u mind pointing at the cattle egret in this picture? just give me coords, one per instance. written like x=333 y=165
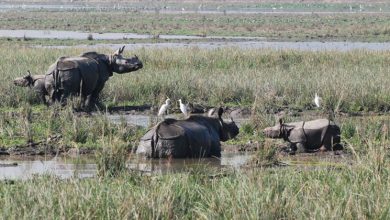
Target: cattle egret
x=211 y=112
x=183 y=108
x=317 y=100
x=164 y=107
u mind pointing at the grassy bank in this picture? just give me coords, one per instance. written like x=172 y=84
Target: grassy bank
x=264 y=79
x=280 y=27
x=357 y=189
x=64 y=129
x=360 y=190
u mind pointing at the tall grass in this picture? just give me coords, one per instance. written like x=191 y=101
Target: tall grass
x=352 y=81
x=279 y=26
x=356 y=190
x=69 y=129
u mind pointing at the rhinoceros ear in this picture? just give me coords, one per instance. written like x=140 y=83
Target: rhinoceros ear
x=280 y=121
x=119 y=51
x=29 y=73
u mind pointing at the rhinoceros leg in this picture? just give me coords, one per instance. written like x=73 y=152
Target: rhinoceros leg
x=94 y=98
x=296 y=148
x=332 y=138
x=215 y=150
x=42 y=97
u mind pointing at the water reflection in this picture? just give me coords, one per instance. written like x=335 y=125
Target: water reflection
x=148 y=120
x=59 y=166
x=84 y=167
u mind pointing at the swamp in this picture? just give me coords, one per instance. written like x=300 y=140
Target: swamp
x=59 y=161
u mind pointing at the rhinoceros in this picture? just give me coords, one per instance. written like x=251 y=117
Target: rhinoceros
x=35 y=82
x=197 y=136
x=86 y=75
x=307 y=136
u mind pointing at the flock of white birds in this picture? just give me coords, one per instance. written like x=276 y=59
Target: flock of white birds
x=164 y=108
x=184 y=107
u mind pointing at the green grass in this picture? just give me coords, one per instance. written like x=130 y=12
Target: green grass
x=266 y=80
x=280 y=27
x=75 y=131
x=359 y=190
x=354 y=189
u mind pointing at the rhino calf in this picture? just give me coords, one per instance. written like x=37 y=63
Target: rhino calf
x=196 y=136
x=35 y=82
x=307 y=136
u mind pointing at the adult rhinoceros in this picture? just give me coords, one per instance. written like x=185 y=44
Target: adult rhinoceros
x=35 y=82
x=307 y=135
x=86 y=74
x=196 y=136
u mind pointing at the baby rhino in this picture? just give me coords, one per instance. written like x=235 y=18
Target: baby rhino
x=307 y=136
x=35 y=82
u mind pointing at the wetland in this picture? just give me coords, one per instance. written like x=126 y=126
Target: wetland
x=61 y=162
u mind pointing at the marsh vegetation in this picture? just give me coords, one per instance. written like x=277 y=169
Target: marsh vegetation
x=267 y=82
x=350 y=26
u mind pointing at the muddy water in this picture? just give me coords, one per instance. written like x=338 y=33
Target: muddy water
x=85 y=167
x=219 y=41
x=164 y=9
x=304 y=46
x=149 y=120
x=76 y=35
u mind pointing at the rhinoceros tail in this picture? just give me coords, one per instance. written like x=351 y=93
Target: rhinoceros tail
x=81 y=83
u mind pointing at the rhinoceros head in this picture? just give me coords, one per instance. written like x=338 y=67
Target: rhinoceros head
x=280 y=130
x=229 y=130
x=119 y=64
x=24 y=81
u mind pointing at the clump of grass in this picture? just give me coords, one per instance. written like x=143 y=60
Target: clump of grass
x=111 y=160
x=267 y=155
x=26 y=123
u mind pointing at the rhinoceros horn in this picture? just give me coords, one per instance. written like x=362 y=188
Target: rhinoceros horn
x=119 y=51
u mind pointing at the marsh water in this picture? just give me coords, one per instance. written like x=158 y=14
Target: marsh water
x=147 y=120
x=85 y=167
x=212 y=42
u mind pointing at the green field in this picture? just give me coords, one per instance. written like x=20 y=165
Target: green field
x=274 y=27
x=354 y=81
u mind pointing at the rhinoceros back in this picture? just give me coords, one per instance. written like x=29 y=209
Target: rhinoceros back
x=75 y=73
x=146 y=142
x=314 y=133
x=177 y=138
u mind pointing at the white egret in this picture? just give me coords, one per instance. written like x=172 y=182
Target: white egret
x=183 y=108
x=317 y=100
x=211 y=112
x=164 y=107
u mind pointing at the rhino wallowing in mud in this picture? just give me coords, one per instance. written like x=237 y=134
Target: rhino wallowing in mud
x=307 y=136
x=35 y=82
x=197 y=136
x=86 y=75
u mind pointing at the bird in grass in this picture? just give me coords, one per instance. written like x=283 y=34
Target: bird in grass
x=183 y=108
x=317 y=100
x=163 y=109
